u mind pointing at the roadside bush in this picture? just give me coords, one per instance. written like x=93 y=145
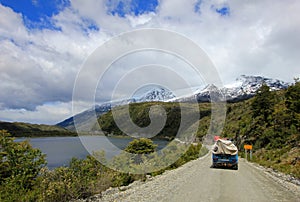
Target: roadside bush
x=192 y=153
x=171 y=157
x=20 y=165
x=81 y=179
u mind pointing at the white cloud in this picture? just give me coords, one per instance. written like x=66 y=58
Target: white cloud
x=141 y=19
x=48 y=113
x=40 y=66
x=11 y=25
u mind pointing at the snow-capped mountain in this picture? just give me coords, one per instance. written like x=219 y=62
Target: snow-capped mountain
x=246 y=86
x=84 y=120
x=243 y=88
x=210 y=92
x=156 y=94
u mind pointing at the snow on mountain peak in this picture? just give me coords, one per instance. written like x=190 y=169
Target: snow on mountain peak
x=156 y=94
x=210 y=88
x=248 y=85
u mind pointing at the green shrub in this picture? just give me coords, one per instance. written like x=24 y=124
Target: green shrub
x=81 y=179
x=20 y=165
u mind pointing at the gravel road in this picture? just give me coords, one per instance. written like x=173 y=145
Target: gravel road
x=196 y=181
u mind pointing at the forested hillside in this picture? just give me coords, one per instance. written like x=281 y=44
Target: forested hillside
x=139 y=113
x=271 y=123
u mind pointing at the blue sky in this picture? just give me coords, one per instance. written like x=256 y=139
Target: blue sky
x=37 y=14
x=44 y=43
x=136 y=7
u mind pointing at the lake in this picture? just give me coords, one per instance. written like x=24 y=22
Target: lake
x=60 y=150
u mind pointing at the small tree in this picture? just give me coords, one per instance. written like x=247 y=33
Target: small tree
x=140 y=146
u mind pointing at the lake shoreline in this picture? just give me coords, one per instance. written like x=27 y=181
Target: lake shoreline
x=60 y=150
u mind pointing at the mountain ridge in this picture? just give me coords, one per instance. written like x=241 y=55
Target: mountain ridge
x=243 y=88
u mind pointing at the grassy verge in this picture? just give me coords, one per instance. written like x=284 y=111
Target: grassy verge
x=285 y=160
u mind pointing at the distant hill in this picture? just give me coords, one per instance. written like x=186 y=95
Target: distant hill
x=18 y=129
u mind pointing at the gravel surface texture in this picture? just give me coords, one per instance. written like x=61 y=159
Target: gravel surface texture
x=197 y=181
